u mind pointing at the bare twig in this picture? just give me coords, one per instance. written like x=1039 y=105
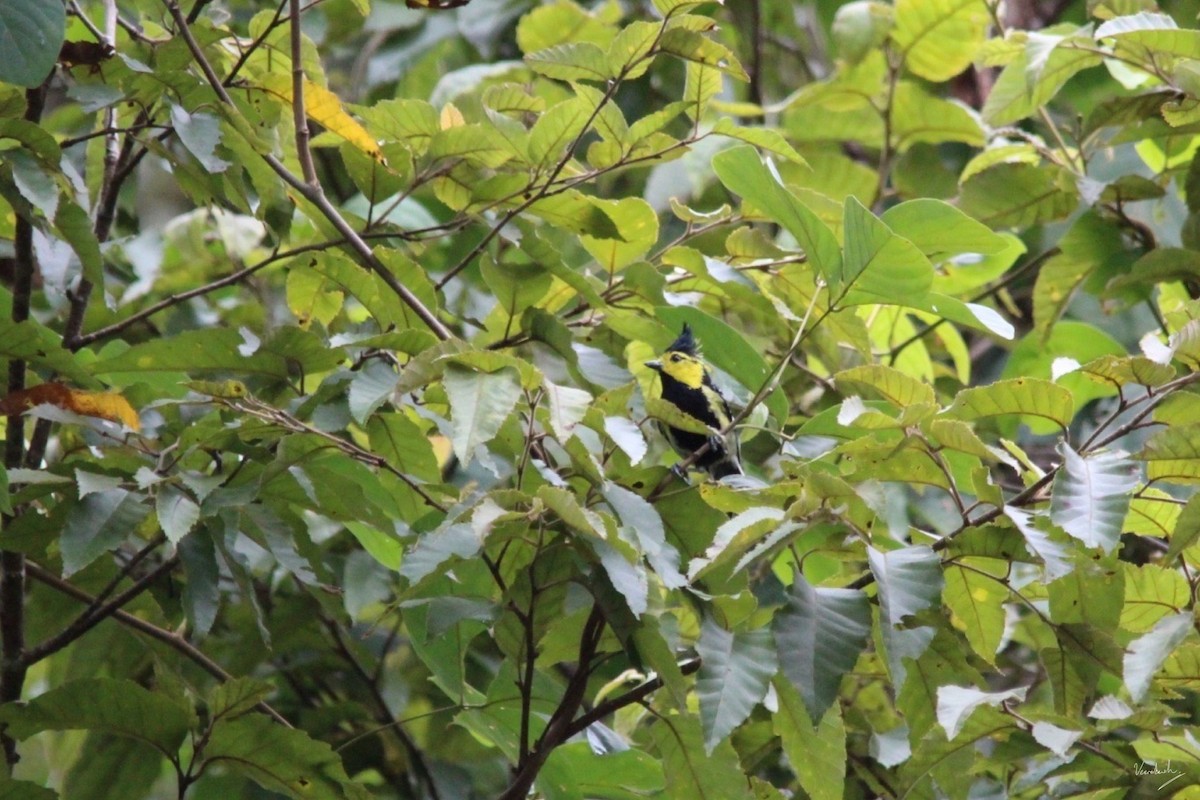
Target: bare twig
x=299 y=117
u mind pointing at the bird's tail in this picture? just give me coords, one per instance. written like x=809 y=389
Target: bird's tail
x=725 y=467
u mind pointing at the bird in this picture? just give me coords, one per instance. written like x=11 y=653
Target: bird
x=687 y=385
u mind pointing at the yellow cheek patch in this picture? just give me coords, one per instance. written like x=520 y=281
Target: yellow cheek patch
x=687 y=371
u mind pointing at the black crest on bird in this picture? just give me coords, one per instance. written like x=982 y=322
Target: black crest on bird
x=686 y=343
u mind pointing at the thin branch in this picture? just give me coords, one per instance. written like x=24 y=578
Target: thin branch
x=175 y=299
x=299 y=117
x=96 y=612
x=635 y=695
x=172 y=640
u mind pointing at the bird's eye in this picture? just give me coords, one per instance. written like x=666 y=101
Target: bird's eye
x=674 y=358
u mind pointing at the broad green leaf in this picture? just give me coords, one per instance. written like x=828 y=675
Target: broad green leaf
x=939 y=38
x=939 y=230
x=820 y=633
x=198 y=351
x=767 y=139
x=735 y=671
x=404 y=444
x=817 y=753
x=555 y=23
x=890 y=384
x=691 y=772
x=516 y=286
x=556 y=129
x=919 y=117
x=576 y=772
x=860 y=27
x=24 y=790
x=629 y=49
x=1089 y=244
x=107 y=705
x=434 y=549
x=312 y=296
x=1090 y=594
x=1036 y=76
x=576 y=212
x=1117 y=371
x=1147 y=653
x=1019 y=195
x=1173 y=454
x=976 y=602
x=98 y=523
x=879 y=266
x=284 y=760
x=575 y=61
x=235 y=697
x=972 y=315
x=480 y=402
x=1151 y=592
x=1186 y=530
x=177 y=512
x=1137 y=34
x=637 y=229
x=1029 y=396
x=642 y=527
x=910 y=581
x=742 y=171
x=200 y=134
x=475 y=144
x=1091 y=495
x=627 y=436
x=408 y=120
x=75 y=227
x=31 y=33
x=371 y=387
x=734 y=538
x=383 y=547
x=955 y=704
x=698 y=48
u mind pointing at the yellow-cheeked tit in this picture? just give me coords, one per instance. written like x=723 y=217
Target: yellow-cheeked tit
x=687 y=384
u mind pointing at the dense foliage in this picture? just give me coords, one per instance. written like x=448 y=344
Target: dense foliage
x=331 y=467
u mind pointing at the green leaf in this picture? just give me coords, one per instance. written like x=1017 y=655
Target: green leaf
x=576 y=772
x=235 y=697
x=200 y=134
x=939 y=38
x=31 y=33
x=177 y=512
x=692 y=772
x=576 y=61
x=735 y=672
x=940 y=231
x=371 y=387
x=480 y=402
x=98 y=523
x=24 y=790
x=1029 y=396
x=767 y=139
x=637 y=232
x=879 y=266
x=976 y=603
x=1091 y=496
x=820 y=633
x=1146 y=654
x=1036 y=530
x=280 y=759
x=699 y=49
x=1036 y=76
x=1135 y=34
x=475 y=144
x=891 y=384
x=919 y=117
x=75 y=227
x=910 y=581
x=107 y=705
x=1173 y=454
x=642 y=527
x=1151 y=592
x=734 y=538
x=1019 y=195
x=817 y=756
x=197 y=351
x=742 y=171
x=567 y=408
x=404 y=444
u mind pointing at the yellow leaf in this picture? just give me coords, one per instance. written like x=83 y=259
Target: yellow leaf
x=106 y=405
x=451 y=117
x=325 y=107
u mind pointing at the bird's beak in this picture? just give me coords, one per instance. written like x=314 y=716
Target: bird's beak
x=654 y=365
